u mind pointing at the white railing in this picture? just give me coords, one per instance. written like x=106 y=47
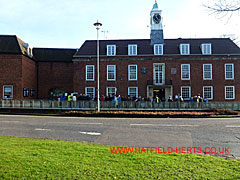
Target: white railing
x=108 y=105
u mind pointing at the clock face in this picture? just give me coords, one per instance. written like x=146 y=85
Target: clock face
x=157 y=18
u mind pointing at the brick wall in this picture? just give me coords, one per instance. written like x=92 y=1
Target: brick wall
x=11 y=74
x=54 y=75
x=29 y=76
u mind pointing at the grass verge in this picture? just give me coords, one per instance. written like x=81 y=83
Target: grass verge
x=26 y=158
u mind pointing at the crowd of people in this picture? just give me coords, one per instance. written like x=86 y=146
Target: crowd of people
x=117 y=99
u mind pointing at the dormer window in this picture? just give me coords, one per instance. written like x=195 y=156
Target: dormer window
x=206 y=48
x=132 y=49
x=111 y=50
x=30 y=51
x=158 y=49
x=184 y=49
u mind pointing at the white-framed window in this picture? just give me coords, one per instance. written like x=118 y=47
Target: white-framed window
x=159 y=73
x=111 y=91
x=89 y=72
x=132 y=72
x=184 y=49
x=158 y=49
x=133 y=91
x=185 y=71
x=25 y=92
x=229 y=92
x=207 y=71
x=111 y=50
x=132 y=49
x=206 y=48
x=90 y=91
x=186 y=92
x=208 y=92
x=7 y=92
x=229 y=71
x=111 y=72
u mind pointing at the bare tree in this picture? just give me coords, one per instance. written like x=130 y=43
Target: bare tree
x=221 y=6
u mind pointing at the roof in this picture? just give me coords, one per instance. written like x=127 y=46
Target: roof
x=53 y=54
x=11 y=44
x=155 y=6
x=171 y=46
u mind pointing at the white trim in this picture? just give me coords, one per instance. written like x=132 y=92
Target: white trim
x=114 y=73
x=204 y=72
x=111 y=87
x=189 y=71
x=206 y=48
x=233 y=93
x=232 y=78
x=11 y=92
x=160 y=47
x=87 y=73
x=184 y=49
x=130 y=72
x=114 y=50
x=211 y=92
x=130 y=50
x=136 y=91
x=188 y=91
x=93 y=91
x=163 y=73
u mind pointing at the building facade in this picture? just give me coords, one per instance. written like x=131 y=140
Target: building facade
x=134 y=67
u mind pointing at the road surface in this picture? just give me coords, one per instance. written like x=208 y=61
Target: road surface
x=135 y=132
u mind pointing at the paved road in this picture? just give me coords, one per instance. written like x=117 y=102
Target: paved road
x=167 y=132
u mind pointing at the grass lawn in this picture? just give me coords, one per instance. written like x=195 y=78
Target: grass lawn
x=26 y=158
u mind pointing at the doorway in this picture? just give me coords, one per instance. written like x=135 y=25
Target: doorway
x=160 y=93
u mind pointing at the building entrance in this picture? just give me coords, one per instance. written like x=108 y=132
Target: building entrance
x=160 y=93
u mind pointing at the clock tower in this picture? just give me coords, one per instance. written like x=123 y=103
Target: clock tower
x=156 y=25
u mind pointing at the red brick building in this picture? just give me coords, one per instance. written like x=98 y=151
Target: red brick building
x=18 y=69
x=135 y=67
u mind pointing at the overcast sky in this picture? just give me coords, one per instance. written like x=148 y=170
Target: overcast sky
x=68 y=23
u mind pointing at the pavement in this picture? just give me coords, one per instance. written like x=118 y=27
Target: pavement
x=138 y=132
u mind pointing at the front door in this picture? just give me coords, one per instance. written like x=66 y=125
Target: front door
x=160 y=93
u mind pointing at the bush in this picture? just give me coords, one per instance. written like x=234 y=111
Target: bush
x=222 y=111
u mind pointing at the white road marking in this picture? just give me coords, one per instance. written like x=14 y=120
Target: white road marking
x=75 y=123
x=9 y=121
x=232 y=126
x=39 y=129
x=164 y=125
x=90 y=133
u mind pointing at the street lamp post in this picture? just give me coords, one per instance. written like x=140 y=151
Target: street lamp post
x=98 y=25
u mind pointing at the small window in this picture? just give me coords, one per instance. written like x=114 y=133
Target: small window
x=8 y=92
x=133 y=92
x=186 y=92
x=206 y=48
x=132 y=72
x=208 y=92
x=111 y=50
x=90 y=91
x=185 y=71
x=229 y=92
x=89 y=72
x=229 y=71
x=158 y=49
x=207 y=72
x=111 y=91
x=132 y=50
x=25 y=92
x=111 y=72
x=32 y=92
x=184 y=49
